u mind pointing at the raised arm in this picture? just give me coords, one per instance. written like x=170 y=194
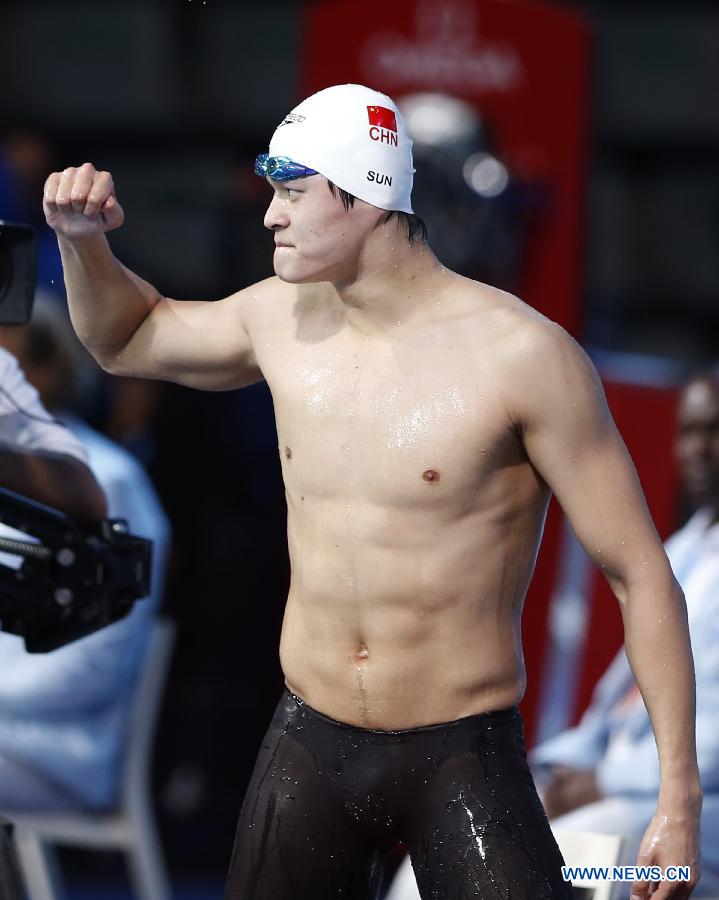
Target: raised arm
x=558 y=404
x=123 y=321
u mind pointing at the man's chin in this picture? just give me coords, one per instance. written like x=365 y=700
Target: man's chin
x=286 y=273
x=292 y=279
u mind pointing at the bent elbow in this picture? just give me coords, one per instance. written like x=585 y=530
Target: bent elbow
x=110 y=361
x=645 y=579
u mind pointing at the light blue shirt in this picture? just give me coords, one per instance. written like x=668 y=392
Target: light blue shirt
x=65 y=714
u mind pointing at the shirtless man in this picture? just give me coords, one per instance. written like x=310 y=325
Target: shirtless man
x=423 y=421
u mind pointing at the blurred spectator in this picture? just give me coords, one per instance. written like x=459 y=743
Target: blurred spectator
x=41 y=460
x=63 y=715
x=603 y=775
x=38 y=458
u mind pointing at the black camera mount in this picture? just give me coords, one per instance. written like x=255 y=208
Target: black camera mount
x=73 y=581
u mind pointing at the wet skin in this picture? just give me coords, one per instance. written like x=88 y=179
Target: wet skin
x=414 y=514
x=423 y=420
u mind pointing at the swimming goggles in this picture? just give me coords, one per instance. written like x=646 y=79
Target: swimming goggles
x=281 y=168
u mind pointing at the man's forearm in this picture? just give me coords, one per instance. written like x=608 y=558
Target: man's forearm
x=659 y=652
x=53 y=479
x=107 y=302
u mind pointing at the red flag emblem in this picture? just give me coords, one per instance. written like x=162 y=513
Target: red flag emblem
x=382 y=118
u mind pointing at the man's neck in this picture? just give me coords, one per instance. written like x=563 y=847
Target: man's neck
x=394 y=283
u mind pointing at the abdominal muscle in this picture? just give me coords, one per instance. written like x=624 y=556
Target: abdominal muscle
x=394 y=635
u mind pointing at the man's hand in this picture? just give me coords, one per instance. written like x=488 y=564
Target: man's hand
x=670 y=840
x=81 y=202
x=568 y=789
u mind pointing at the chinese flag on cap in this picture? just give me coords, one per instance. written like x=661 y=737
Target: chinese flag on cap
x=382 y=117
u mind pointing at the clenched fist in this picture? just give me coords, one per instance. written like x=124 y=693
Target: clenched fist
x=81 y=202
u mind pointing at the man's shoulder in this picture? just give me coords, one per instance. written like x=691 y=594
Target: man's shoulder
x=276 y=307
x=264 y=301
x=518 y=331
x=260 y=291
x=535 y=364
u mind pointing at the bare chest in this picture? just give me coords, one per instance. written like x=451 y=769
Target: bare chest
x=398 y=423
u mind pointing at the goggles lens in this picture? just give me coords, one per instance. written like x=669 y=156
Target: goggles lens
x=281 y=168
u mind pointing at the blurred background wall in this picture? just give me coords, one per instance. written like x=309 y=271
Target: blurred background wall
x=175 y=99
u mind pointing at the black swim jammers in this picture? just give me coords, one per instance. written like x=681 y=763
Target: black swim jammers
x=328 y=801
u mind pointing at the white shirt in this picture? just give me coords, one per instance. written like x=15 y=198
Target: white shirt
x=24 y=421
x=26 y=424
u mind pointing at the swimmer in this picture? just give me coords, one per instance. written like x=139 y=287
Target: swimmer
x=424 y=420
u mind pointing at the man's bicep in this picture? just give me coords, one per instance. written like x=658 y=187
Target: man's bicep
x=201 y=344
x=573 y=443
x=597 y=486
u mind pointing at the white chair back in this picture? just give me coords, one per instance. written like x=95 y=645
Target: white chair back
x=131 y=828
x=146 y=706
x=584 y=848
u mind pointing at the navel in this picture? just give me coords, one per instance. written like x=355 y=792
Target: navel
x=363 y=652
x=288 y=452
x=430 y=475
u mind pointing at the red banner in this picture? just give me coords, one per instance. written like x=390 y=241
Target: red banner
x=523 y=65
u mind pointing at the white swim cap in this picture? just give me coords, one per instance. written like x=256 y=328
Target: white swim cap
x=356 y=138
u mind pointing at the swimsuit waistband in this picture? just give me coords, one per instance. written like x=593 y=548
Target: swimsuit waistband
x=495 y=716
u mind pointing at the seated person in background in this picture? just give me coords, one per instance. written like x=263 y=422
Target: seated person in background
x=64 y=714
x=603 y=775
x=38 y=457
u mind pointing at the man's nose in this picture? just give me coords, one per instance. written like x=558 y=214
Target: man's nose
x=276 y=216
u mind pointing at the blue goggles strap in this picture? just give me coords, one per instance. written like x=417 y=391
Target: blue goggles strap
x=281 y=168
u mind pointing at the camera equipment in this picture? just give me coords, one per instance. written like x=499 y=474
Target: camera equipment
x=76 y=580
x=18 y=264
